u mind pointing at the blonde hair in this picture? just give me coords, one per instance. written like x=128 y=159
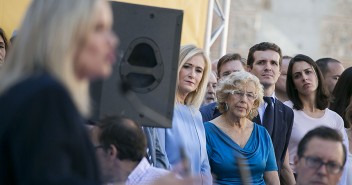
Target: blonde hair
x=236 y=81
x=195 y=98
x=48 y=40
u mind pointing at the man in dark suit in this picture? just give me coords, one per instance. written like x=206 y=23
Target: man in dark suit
x=264 y=61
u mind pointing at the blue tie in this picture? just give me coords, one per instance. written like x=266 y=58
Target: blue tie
x=268 y=117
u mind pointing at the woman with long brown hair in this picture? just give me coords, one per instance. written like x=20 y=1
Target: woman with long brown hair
x=309 y=99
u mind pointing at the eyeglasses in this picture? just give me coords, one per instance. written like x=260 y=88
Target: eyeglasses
x=316 y=163
x=240 y=94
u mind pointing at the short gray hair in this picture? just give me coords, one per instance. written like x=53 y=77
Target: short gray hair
x=231 y=82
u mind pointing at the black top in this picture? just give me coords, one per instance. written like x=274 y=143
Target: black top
x=209 y=112
x=43 y=140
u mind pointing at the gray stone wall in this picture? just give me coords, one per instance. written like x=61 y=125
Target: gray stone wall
x=317 y=28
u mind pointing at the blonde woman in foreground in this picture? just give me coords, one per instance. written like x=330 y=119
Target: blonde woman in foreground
x=44 y=98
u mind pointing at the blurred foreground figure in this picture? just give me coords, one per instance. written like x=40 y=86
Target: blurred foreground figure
x=320 y=157
x=60 y=46
x=120 y=146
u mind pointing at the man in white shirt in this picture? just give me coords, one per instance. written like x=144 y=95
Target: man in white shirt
x=120 y=146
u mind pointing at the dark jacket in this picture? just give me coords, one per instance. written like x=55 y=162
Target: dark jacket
x=282 y=129
x=43 y=139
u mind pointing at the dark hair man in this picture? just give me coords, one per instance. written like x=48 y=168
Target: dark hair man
x=121 y=149
x=320 y=158
x=332 y=70
x=264 y=61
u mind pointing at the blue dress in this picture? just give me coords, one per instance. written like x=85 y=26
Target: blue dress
x=187 y=132
x=222 y=151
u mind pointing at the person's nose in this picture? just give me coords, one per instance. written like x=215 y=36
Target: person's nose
x=212 y=89
x=244 y=97
x=268 y=66
x=113 y=39
x=322 y=170
x=192 y=73
x=304 y=77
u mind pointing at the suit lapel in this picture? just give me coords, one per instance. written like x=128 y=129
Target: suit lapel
x=278 y=123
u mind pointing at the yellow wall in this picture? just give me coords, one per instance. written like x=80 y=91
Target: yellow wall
x=194 y=18
x=11 y=13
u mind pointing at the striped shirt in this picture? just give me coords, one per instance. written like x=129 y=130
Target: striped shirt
x=145 y=174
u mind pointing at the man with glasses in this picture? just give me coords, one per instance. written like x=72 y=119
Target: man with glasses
x=121 y=148
x=320 y=157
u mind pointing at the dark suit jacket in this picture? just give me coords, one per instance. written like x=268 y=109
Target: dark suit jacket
x=209 y=112
x=281 y=130
x=43 y=139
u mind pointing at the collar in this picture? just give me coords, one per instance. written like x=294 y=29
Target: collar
x=139 y=171
x=273 y=97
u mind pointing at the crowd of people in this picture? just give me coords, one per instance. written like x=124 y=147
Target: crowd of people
x=268 y=119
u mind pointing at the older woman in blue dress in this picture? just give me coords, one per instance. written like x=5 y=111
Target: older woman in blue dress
x=233 y=140
x=187 y=132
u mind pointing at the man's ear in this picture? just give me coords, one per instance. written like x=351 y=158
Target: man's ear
x=112 y=152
